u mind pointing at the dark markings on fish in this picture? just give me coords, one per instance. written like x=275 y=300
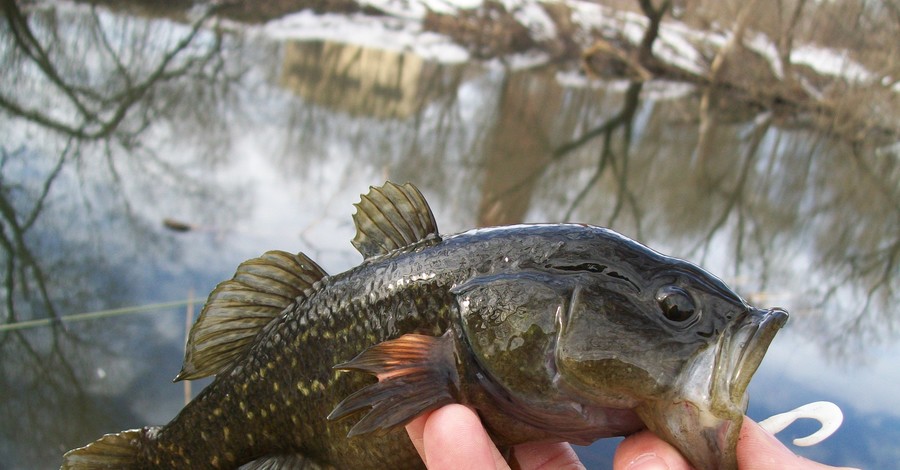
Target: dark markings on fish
x=551 y=332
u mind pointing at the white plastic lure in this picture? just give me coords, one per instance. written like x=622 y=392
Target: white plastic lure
x=825 y=412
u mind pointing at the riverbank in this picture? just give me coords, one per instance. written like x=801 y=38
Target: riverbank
x=793 y=62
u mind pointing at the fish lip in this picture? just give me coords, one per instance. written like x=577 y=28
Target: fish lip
x=741 y=351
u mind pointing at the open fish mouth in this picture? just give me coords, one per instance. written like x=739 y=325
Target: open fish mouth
x=738 y=355
x=741 y=352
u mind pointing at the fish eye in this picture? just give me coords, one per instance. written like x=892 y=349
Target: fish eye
x=676 y=304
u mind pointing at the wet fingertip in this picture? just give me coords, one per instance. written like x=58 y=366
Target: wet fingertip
x=646 y=451
x=546 y=456
x=648 y=461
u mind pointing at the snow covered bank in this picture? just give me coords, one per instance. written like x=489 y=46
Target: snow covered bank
x=828 y=83
x=678 y=45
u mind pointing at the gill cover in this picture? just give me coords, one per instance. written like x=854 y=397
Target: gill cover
x=511 y=322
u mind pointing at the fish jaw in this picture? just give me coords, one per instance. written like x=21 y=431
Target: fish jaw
x=703 y=414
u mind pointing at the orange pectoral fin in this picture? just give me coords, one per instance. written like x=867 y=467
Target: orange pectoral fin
x=416 y=373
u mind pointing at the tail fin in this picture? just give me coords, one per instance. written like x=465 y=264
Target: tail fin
x=110 y=451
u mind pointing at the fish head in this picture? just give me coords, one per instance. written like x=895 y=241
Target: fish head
x=668 y=339
x=703 y=411
x=598 y=335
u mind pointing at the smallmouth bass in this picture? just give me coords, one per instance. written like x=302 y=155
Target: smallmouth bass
x=563 y=332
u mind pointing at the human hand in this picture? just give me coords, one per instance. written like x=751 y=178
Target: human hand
x=452 y=437
x=757 y=450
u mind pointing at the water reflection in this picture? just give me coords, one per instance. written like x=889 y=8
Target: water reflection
x=367 y=98
x=87 y=99
x=360 y=80
x=524 y=130
x=87 y=121
x=126 y=122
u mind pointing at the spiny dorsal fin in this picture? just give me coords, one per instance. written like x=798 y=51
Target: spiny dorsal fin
x=239 y=308
x=416 y=373
x=391 y=217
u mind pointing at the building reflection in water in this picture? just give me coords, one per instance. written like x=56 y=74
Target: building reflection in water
x=358 y=80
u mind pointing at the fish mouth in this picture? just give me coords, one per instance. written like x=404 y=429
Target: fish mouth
x=741 y=352
x=703 y=415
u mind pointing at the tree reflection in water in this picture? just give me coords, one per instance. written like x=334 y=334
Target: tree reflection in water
x=117 y=121
x=78 y=114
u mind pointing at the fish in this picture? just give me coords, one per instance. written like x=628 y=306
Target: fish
x=551 y=332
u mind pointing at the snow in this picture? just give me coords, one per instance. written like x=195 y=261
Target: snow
x=830 y=62
x=678 y=44
x=575 y=79
x=655 y=90
x=394 y=34
x=531 y=15
x=522 y=61
x=824 y=61
x=761 y=44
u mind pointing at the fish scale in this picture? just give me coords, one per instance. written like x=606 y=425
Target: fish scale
x=307 y=383
x=551 y=332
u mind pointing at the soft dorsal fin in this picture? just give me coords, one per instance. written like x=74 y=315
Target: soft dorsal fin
x=391 y=217
x=239 y=308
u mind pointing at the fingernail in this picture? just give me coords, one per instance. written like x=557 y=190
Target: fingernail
x=649 y=461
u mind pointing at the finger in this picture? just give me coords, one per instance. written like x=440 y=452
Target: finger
x=453 y=438
x=555 y=456
x=645 y=451
x=416 y=431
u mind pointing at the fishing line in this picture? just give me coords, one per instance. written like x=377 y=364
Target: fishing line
x=22 y=325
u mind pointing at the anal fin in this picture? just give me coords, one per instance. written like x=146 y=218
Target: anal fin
x=416 y=373
x=110 y=451
x=281 y=462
